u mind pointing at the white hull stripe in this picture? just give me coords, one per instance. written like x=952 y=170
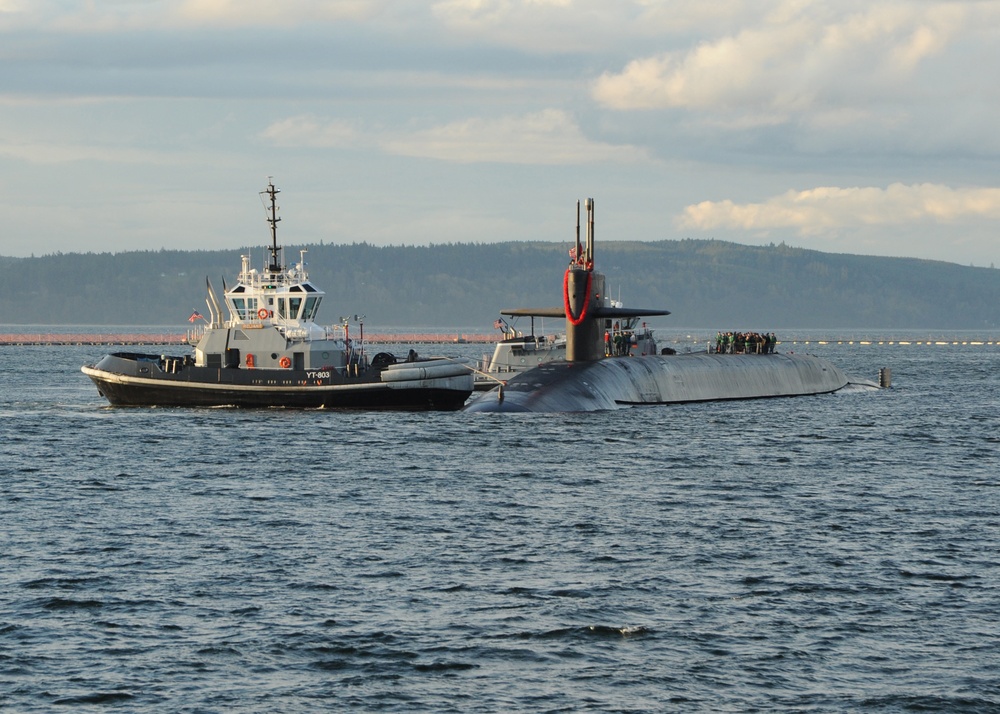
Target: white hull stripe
x=440 y=383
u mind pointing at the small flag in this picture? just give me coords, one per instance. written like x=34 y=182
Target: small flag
x=195 y=316
x=498 y=324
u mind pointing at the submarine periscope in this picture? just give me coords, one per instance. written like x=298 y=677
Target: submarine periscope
x=601 y=373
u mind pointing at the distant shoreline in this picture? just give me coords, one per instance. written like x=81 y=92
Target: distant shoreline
x=136 y=339
x=114 y=339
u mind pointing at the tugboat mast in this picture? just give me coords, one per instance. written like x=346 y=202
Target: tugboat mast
x=272 y=218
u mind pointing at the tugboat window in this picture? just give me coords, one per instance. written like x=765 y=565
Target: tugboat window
x=312 y=303
x=293 y=306
x=281 y=307
x=239 y=307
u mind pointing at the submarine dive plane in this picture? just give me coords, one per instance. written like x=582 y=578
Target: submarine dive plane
x=598 y=374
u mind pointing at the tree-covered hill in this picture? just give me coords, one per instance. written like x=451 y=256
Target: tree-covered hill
x=705 y=283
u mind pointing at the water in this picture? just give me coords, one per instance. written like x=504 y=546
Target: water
x=835 y=553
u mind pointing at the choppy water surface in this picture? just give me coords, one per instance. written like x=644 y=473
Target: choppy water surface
x=836 y=553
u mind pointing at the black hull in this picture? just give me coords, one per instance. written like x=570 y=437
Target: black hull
x=119 y=380
x=624 y=381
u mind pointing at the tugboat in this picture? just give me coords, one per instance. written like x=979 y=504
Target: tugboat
x=598 y=372
x=270 y=352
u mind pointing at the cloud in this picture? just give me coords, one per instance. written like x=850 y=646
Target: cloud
x=487 y=12
x=795 y=58
x=551 y=27
x=259 y=13
x=53 y=153
x=309 y=131
x=548 y=137
x=106 y=17
x=828 y=208
x=539 y=25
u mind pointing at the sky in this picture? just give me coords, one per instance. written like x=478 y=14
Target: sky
x=865 y=127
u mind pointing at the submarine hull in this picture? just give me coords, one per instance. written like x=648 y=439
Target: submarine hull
x=660 y=379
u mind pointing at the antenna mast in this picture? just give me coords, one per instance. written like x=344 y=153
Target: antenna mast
x=579 y=247
x=589 y=204
x=272 y=218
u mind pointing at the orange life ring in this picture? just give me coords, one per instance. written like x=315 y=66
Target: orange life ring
x=250 y=361
x=262 y=313
x=284 y=363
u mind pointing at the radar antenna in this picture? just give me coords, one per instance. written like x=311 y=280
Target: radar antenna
x=271 y=194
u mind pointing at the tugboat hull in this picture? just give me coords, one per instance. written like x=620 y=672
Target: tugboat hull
x=127 y=379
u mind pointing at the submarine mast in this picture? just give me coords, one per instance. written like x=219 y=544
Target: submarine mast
x=583 y=295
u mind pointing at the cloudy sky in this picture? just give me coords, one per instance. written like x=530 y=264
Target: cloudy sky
x=864 y=126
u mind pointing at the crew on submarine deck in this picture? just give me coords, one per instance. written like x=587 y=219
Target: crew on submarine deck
x=761 y=343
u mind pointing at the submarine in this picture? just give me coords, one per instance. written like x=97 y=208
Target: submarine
x=601 y=373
